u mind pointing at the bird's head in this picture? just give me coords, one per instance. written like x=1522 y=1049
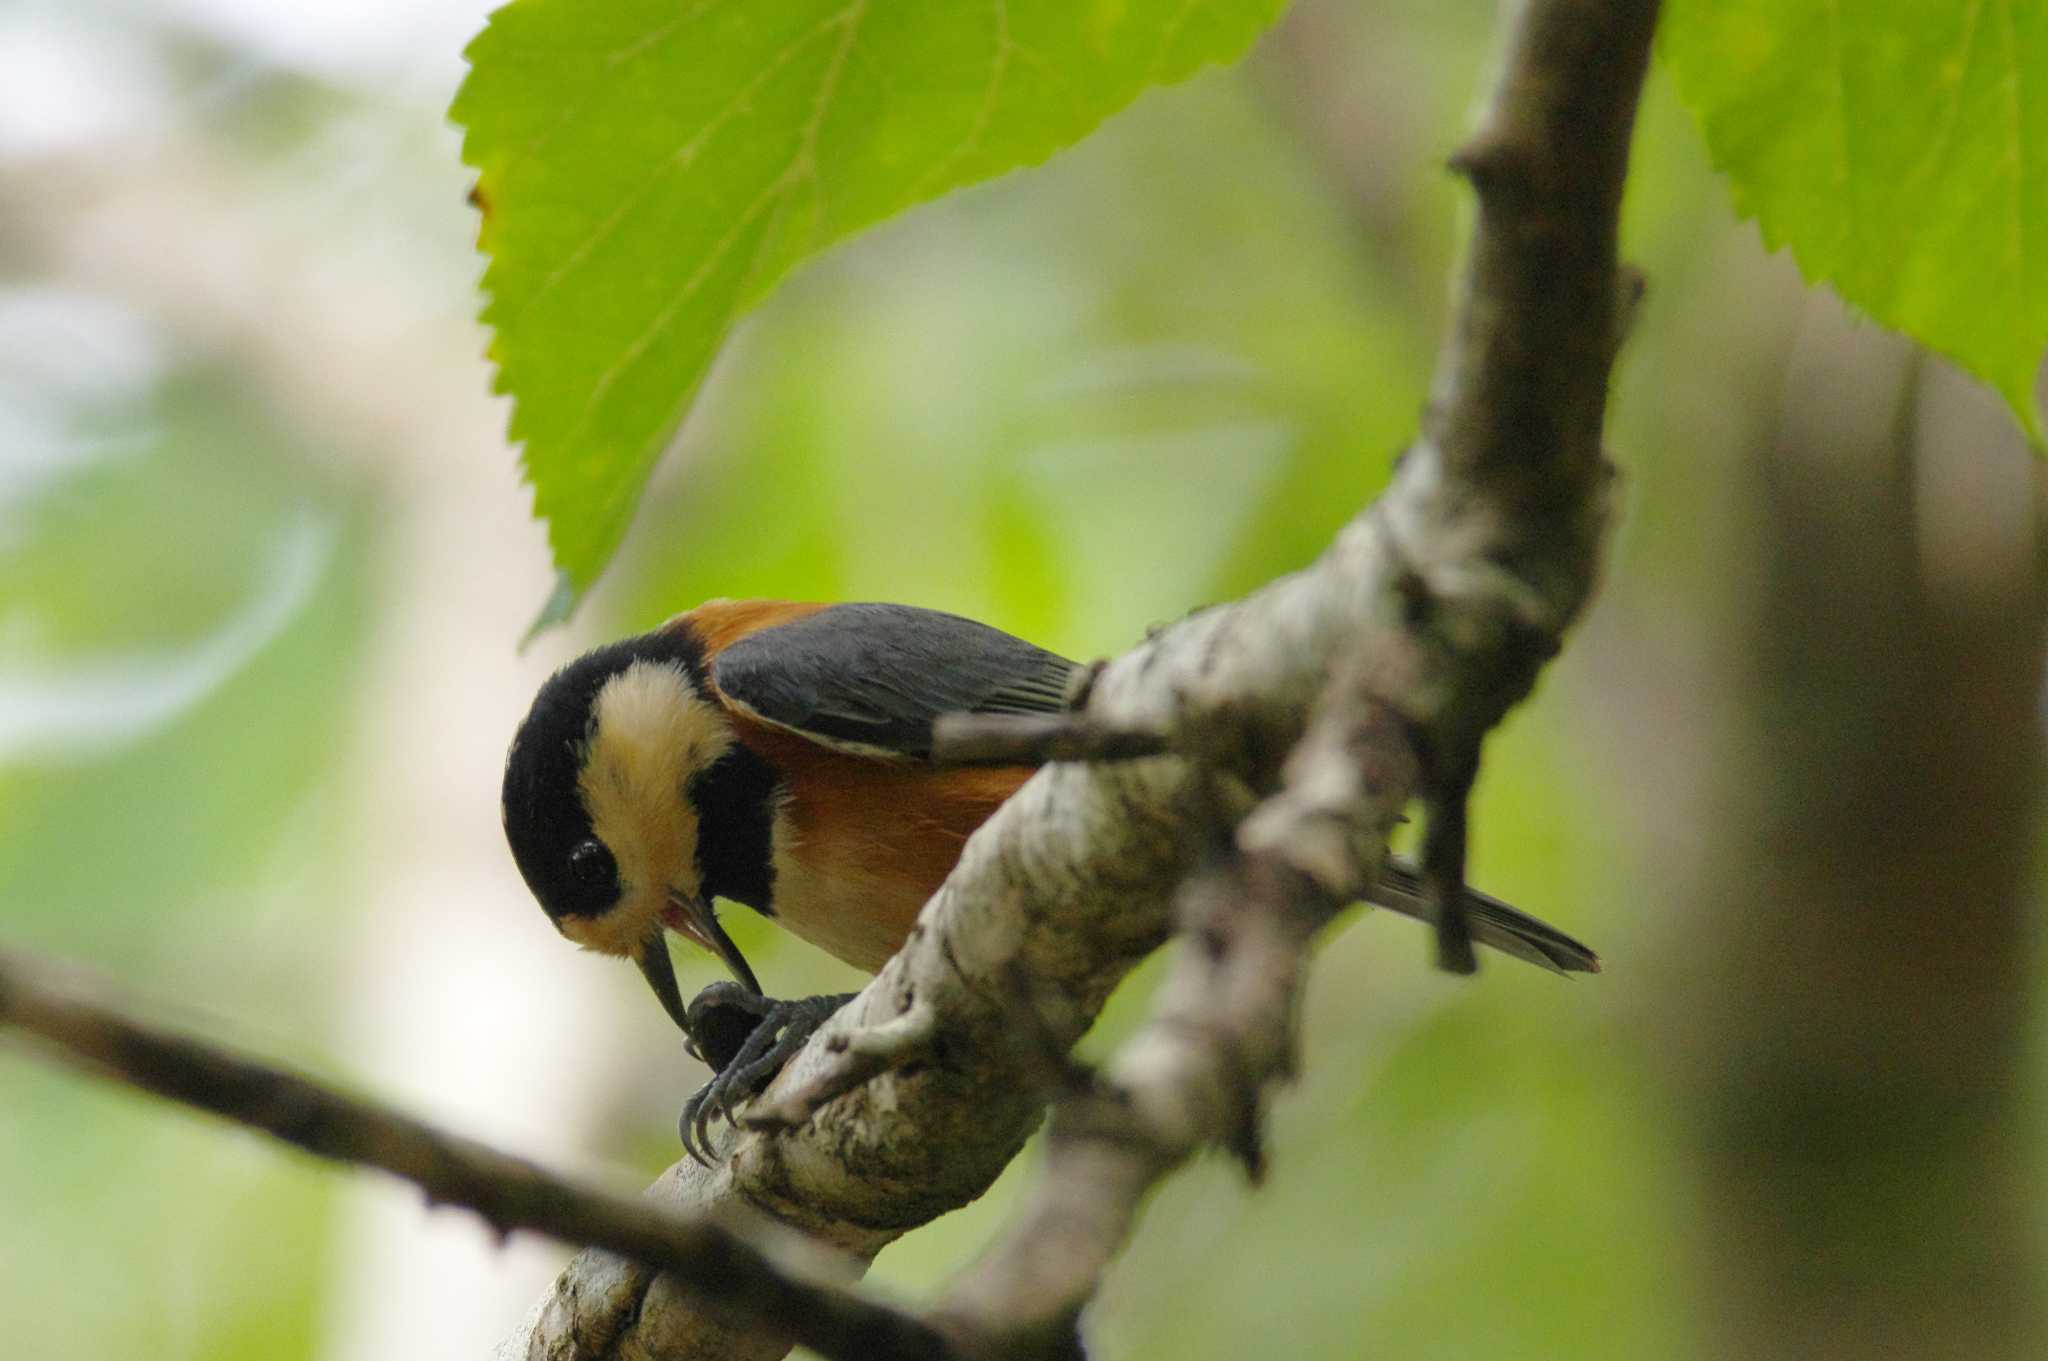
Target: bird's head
x=601 y=809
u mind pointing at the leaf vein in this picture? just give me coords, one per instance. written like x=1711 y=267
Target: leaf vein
x=801 y=169
x=1838 y=69
x=623 y=56
x=2019 y=158
x=679 y=160
x=1170 y=35
x=998 y=71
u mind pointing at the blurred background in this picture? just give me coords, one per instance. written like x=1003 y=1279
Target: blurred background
x=264 y=565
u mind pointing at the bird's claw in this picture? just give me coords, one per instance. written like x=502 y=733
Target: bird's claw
x=745 y=1038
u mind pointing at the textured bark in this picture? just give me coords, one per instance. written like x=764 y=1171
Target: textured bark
x=1222 y=1030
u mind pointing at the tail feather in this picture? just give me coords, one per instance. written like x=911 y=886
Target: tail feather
x=1494 y=923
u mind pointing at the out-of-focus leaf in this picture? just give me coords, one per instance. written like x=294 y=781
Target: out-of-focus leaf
x=176 y=587
x=1900 y=149
x=646 y=170
x=1485 y=1194
x=184 y=602
x=109 y=1185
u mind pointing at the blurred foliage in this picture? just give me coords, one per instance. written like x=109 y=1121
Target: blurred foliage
x=180 y=596
x=1898 y=152
x=215 y=625
x=645 y=176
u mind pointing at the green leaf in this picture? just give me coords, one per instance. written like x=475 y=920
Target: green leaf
x=647 y=169
x=1900 y=148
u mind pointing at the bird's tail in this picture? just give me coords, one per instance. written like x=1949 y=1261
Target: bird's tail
x=1494 y=923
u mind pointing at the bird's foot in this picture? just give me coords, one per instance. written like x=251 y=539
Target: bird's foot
x=746 y=1038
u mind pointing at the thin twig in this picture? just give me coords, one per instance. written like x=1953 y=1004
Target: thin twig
x=1038 y=739
x=727 y=1274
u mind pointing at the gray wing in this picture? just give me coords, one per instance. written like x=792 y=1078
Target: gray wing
x=871 y=678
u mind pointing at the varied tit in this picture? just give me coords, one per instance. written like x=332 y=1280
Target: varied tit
x=778 y=755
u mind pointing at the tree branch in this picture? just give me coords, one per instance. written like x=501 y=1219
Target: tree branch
x=1222 y=1027
x=726 y=1274
x=1465 y=575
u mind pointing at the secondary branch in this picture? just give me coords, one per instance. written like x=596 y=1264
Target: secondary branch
x=1221 y=1032
x=724 y=1272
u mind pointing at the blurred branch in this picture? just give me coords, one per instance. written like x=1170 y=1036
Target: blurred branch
x=722 y=1270
x=1444 y=599
x=1853 y=1050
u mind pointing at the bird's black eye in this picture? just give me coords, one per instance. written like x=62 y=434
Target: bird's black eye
x=590 y=864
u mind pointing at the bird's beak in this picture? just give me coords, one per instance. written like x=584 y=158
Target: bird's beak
x=661 y=976
x=694 y=918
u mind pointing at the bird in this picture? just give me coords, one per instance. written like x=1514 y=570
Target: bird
x=778 y=755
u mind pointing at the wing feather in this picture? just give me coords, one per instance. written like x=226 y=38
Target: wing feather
x=871 y=678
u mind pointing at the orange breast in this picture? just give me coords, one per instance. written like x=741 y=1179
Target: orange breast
x=862 y=843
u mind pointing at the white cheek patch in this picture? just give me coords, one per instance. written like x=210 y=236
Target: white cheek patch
x=651 y=733
x=610 y=934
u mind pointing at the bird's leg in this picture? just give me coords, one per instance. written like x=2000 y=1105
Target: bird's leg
x=1443 y=859
x=746 y=1038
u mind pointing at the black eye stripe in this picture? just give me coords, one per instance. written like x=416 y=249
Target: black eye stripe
x=546 y=822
